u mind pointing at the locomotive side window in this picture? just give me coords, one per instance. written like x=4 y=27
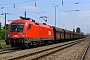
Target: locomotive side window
x=17 y=27
x=29 y=27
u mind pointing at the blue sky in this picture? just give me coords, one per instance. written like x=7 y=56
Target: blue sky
x=66 y=16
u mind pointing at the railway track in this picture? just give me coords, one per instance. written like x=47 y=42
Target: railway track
x=8 y=50
x=85 y=52
x=45 y=52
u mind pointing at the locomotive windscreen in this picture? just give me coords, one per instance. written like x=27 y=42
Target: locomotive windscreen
x=16 y=27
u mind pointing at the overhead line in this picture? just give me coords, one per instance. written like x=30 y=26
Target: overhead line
x=61 y=9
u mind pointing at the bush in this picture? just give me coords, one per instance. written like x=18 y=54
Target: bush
x=0 y=47
x=4 y=46
x=2 y=34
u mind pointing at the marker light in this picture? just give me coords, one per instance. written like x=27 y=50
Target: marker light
x=23 y=35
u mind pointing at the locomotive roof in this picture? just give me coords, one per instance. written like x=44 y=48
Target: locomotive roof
x=31 y=22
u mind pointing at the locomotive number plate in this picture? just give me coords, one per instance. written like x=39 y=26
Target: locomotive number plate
x=15 y=35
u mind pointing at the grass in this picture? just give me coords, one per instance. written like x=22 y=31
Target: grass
x=3 y=45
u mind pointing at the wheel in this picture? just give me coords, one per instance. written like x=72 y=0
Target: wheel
x=12 y=45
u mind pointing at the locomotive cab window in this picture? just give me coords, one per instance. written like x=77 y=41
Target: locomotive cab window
x=17 y=27
x=29 y=27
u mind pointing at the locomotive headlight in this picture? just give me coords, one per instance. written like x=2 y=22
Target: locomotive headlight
x=23 y=35
x=8 y=35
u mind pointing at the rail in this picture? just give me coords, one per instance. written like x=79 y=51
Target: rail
x=42 y=53
x=85 y=51
x=8 y=50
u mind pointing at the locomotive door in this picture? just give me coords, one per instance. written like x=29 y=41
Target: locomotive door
x=40 y=31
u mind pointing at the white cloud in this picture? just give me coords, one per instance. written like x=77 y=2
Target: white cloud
x=85 y=13
x=28 y=7
x=65 y=14
x=2 y=21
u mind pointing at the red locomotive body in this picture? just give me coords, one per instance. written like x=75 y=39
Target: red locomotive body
x=25 y=31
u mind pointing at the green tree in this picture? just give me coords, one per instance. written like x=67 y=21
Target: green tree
x=0 y=25
x=82 y=33
x=2 y=34
x=78 y=30
x=7 y=25
x=73 y=30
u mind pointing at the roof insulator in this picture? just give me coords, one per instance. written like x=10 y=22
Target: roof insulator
x=24 y=18
x=32 y=20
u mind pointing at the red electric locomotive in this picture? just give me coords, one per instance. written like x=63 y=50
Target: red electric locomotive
x=28 y=32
